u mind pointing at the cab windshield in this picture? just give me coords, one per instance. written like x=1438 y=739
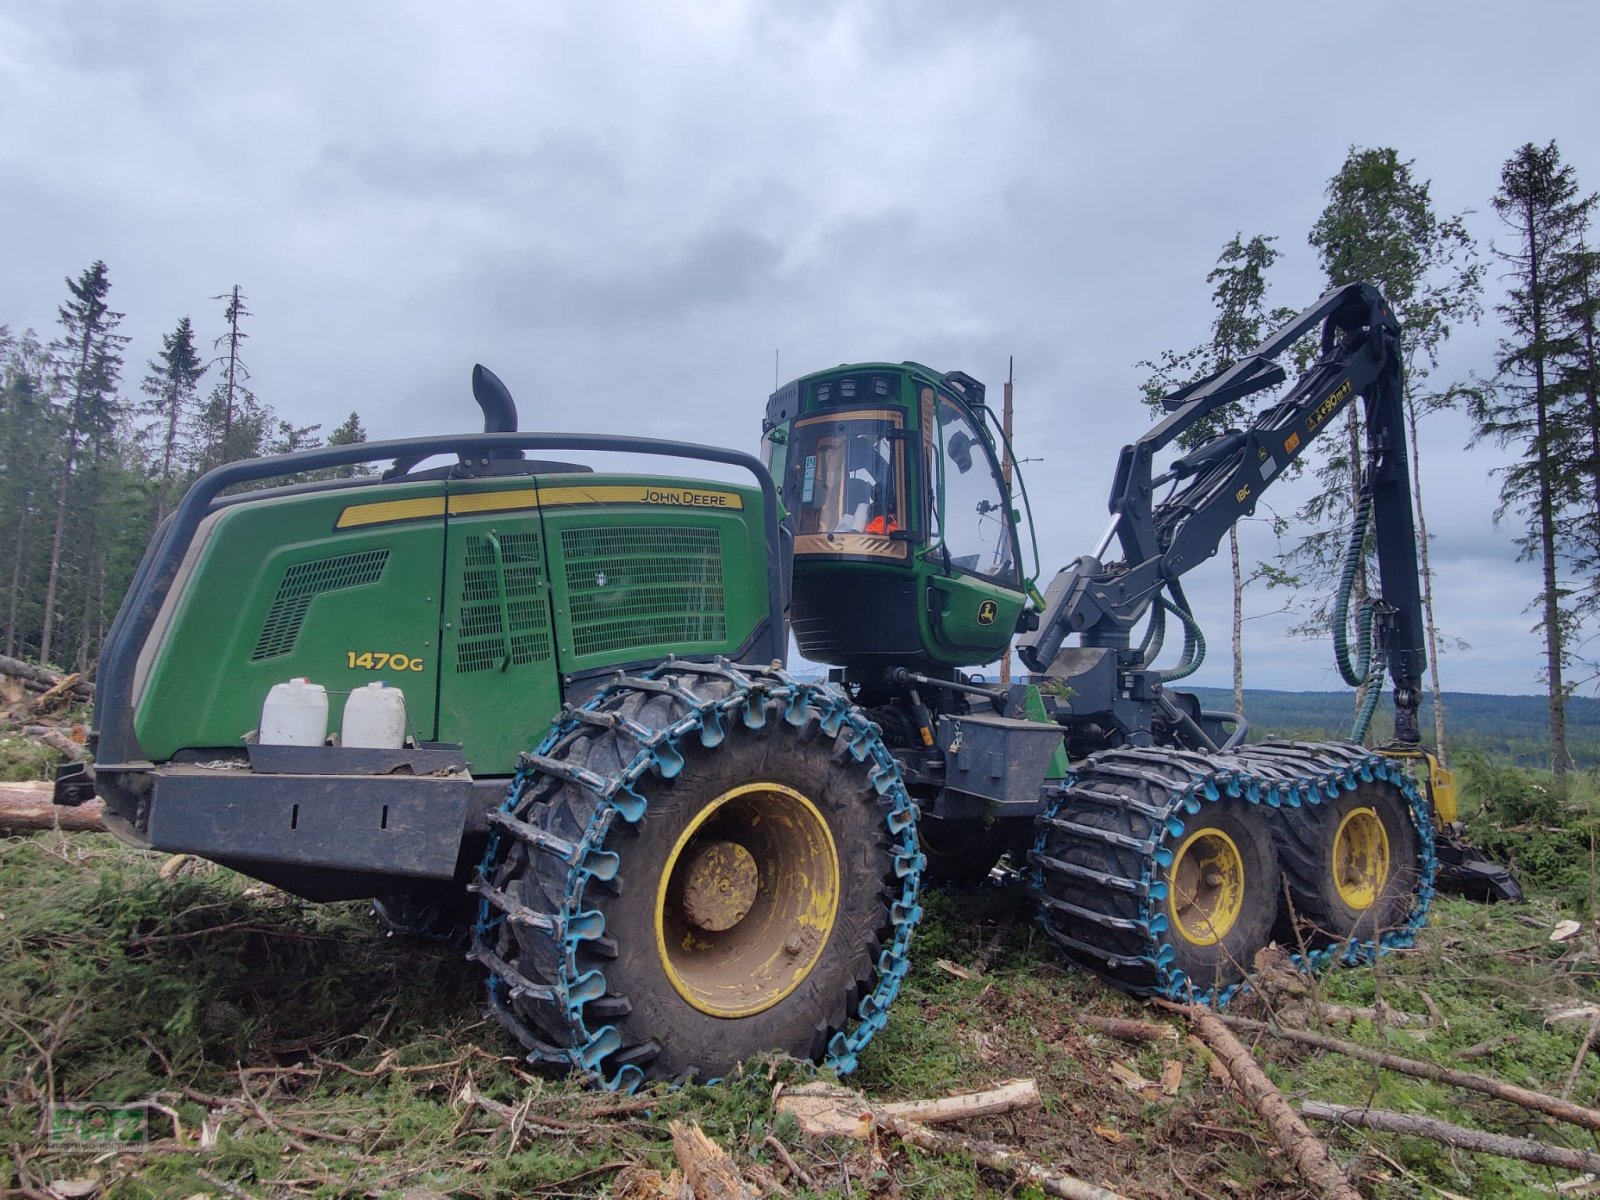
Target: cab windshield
x=845 y=483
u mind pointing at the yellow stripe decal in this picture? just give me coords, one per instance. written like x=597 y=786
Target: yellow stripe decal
x=421 y=508
x=480 y=502
x=391 y=510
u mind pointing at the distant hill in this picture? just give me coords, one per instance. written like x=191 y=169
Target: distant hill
x=1515 y=728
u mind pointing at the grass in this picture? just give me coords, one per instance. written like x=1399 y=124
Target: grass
x=22 y=759
x=323 y=1059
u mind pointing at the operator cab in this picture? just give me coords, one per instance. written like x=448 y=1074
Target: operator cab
x=905 y=540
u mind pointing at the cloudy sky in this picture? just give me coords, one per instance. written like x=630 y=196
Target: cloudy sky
x=630 y=210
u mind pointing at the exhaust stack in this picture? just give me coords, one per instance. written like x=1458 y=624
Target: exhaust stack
x=499 y=409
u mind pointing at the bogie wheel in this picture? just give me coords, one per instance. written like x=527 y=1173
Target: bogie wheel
x=1350 y=866
x=1221 y=895
x=695 y=868
x=1152 y=869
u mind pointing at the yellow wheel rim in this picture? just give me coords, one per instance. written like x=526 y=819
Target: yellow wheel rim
x=747 y=900
x=1205 y=887
x=1360 y=858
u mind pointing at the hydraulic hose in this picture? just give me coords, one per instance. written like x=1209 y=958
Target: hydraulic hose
x=1367 y=669
x=1355 y=674
x=1155 y=633
x=1194 y=641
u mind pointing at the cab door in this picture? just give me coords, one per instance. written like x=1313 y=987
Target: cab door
x=975 y=591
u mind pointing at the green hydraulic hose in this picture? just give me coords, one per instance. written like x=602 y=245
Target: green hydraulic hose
x=1367 y=669
x=1194 y=642
x=1155 y=633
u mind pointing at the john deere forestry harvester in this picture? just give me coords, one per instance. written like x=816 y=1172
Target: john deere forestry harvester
x=545 y=708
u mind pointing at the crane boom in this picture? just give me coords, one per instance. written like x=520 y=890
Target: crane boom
x=1222 y=480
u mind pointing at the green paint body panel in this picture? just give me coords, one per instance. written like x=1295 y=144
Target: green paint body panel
x=968 y=621
x=1034 y=710
x=228 y=643
x=591 y=585
x=491 y=590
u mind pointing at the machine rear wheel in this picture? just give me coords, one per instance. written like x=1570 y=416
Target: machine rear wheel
x=1350 y=865
x=759 y=895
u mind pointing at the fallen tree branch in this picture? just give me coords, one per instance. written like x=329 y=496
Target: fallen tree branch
x=1378 y=1014
x=1489 y=1045
x=797 y=1173
x=27 y=808
x=995 y=1157
x=1563 y=1110
x=1477 y=1140
x=56 y=692
x=1577 y=1063
x=56 y=740
x=1309 y=1156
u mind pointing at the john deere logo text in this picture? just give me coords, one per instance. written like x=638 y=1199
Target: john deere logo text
x=987 y=611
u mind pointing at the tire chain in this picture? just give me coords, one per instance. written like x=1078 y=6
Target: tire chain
x=748 y=694
x=1120 y=805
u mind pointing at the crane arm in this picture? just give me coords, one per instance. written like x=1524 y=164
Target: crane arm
x=1221 y=481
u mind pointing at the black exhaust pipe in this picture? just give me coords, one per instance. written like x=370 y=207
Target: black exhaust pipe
x=499 y=416
x=499 y=409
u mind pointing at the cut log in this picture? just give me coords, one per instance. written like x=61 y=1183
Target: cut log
x=827 y=1110
x=1309 y=1156
x=1562 y=1110
x=26 y=808
x=707 y=1166
x=1436 y=1130
x=18 y=669
x=995 y=1157
x=988 y=1102
x=1128 y=1029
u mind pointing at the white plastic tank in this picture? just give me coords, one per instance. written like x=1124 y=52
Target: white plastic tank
x=295 y=714
x=375 y=718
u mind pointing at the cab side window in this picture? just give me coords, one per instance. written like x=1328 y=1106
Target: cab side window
x=973 y=522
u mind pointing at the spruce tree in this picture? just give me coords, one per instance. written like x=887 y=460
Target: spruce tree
x=232 y=416
x=350 y=432
x=89 y=363
x=1527 y=406
x=172 y=384
x=28 y=442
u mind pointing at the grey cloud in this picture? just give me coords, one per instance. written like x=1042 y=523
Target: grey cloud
x=625 y=210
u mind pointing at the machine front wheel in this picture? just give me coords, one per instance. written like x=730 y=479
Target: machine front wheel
x=754 y=893
x=1150 y=870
